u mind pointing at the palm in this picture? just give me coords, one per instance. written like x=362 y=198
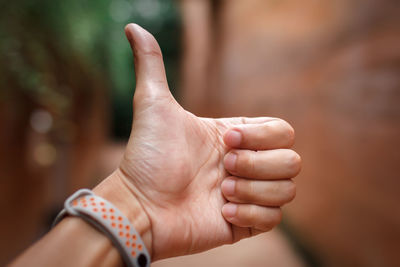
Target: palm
x=184 y=170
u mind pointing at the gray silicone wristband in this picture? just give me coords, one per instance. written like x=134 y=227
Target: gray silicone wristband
x=108 y=219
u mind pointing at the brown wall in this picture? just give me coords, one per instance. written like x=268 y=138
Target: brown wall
x=40 y=169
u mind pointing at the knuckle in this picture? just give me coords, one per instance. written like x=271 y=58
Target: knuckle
x=290 y=191
x=289 y=133
x=151 y=52
x=294 y=163
x=285 y=130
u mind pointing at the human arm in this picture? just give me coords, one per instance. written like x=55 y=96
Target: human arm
x=178 y=180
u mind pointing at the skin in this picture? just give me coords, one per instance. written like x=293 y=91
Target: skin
x=187 y=183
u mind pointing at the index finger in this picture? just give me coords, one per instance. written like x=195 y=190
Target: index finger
x=271 y=134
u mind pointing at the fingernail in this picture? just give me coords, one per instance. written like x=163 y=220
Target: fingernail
x=229 y=210
x=228 y=187
x=234 y=138
x=230 y=161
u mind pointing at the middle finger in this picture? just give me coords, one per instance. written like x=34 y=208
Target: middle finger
x=263 y=165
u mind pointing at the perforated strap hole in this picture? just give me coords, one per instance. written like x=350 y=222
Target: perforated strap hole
x=142 y=260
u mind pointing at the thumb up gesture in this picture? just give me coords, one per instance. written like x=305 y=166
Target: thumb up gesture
x=189 y=184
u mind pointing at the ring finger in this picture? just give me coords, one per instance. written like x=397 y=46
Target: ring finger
x=264 y=193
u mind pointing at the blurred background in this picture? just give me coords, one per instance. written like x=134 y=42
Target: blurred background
x=330 y=68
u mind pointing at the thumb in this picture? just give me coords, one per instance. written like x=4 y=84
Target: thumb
x=151 y=80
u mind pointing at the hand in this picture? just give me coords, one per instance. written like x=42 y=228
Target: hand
x=195 y=194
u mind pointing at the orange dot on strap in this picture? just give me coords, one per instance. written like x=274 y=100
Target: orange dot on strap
x=101 y=203
x=134 y=245
x=121 y=233
x=103 y=210
x=95 y=210
x=104 y=216
x=139 y=247
x=134 y=237
x=111 y=210
x=113 y=224
x=119 y=218
x=127 y=235
x=133 y=253
x=127 y=227
x=127 y=243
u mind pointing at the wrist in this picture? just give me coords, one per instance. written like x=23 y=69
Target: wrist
x=114 y=190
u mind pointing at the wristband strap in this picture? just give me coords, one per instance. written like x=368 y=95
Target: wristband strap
x=109 y=220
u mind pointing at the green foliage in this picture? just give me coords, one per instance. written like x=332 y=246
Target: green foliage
x=39 y=39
